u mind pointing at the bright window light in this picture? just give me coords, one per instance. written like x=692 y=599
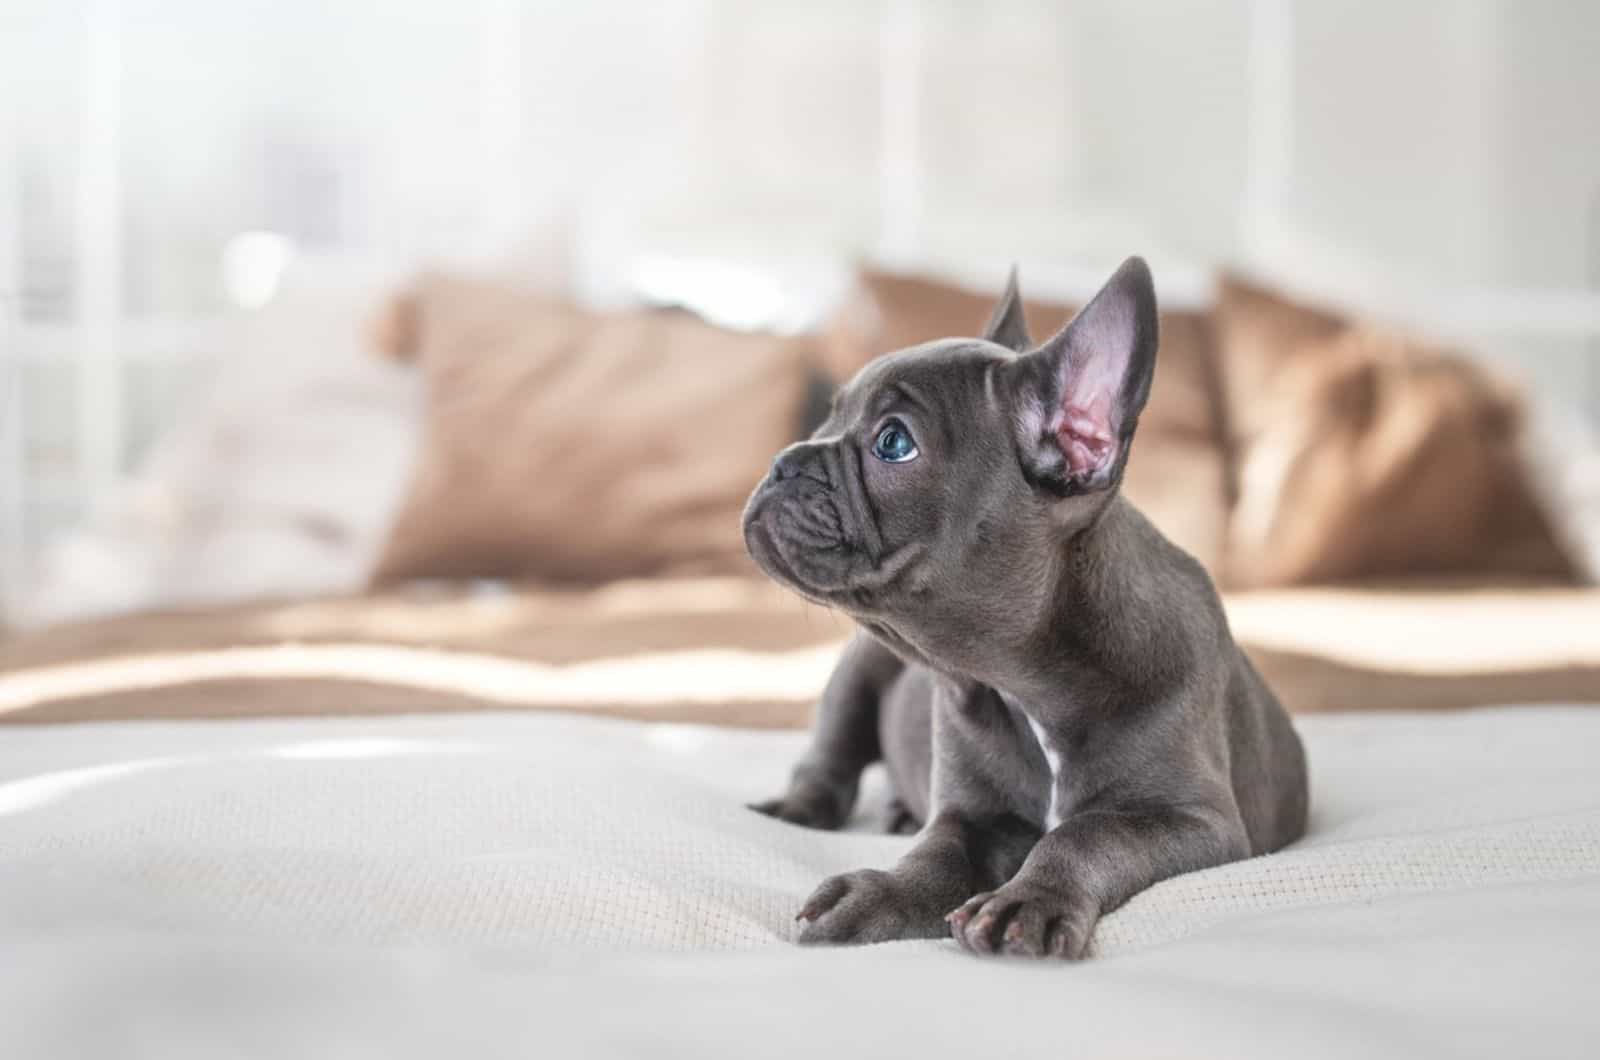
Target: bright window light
x=252 y=267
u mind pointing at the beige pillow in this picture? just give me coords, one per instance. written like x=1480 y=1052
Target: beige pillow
x=1177 y=473
x=568 y=445
x=1369 y=454
x=886 y=311
x=1259 y=336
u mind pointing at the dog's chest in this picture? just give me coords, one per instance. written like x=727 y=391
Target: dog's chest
x=1000 y=739
x=1052 y=756
x=1052 y=813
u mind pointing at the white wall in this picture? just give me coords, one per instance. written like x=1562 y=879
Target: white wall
x=1443 y=169
x=1431 y=160
x=1453 y=140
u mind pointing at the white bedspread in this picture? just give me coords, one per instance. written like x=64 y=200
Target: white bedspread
x=553 y=886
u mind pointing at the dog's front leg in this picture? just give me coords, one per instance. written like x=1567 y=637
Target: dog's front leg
x=954 y=856
x=1087 y=866
x=844 y=739
x=974 y=841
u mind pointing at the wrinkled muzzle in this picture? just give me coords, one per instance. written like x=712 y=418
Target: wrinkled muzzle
x=806 y=524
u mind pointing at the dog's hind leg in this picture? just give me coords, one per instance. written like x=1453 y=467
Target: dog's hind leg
x=844 y=741
x=900 y=820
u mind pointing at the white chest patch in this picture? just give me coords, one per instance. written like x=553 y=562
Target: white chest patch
x=1052 y=815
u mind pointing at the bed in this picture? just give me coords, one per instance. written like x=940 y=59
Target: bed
x=427 y=808
x=507 y=819
x=512 y=883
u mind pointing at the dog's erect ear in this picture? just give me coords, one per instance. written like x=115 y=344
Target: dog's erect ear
x=1079 y=395
x=1007 y=325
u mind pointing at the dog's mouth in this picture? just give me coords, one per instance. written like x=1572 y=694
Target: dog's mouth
x=762 y=544
x=797 y=537
x=797 y=533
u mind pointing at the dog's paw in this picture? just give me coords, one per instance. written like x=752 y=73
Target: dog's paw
x=865 y=906
x=811 y=805
x=1025 y=919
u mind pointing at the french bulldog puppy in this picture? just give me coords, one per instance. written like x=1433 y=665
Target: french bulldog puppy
x=1050 y=682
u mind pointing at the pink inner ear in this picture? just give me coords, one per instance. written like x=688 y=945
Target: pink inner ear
x=1084 y=434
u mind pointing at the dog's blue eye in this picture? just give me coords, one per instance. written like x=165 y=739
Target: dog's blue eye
x=894 y=444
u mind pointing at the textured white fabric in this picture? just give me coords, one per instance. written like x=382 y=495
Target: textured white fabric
x=520 y=883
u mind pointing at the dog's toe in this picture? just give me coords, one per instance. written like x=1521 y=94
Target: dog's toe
x=809 y=805
x=1023 y=921
x=867 y=906
x=856 y=907
x=784 y=809
x=1024 y=933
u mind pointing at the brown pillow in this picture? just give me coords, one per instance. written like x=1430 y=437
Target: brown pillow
x=1176 y=475
x=886 y=311
x=1370 y=454
x=1259 y=336
x=569 y=445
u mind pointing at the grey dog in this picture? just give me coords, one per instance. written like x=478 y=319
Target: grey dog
x=1050 y=682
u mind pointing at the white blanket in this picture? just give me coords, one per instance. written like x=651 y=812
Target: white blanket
x=551 y=886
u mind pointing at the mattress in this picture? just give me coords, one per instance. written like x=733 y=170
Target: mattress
x=543 y=884
x=737 y=651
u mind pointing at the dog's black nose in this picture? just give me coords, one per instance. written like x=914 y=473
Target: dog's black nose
x=786 y=465
x=801 y=460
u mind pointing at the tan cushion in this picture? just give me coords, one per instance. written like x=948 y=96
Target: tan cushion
x=887 y=311
x=1176 y=475
x=569 y=445
x=1363 y=453
x=1259 y=335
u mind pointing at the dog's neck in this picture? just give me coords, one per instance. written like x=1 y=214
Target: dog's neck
x=1105 y=621
x=1101 y=618
x=1111 y=620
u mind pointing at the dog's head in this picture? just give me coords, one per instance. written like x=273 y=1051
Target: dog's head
x=934 y=501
